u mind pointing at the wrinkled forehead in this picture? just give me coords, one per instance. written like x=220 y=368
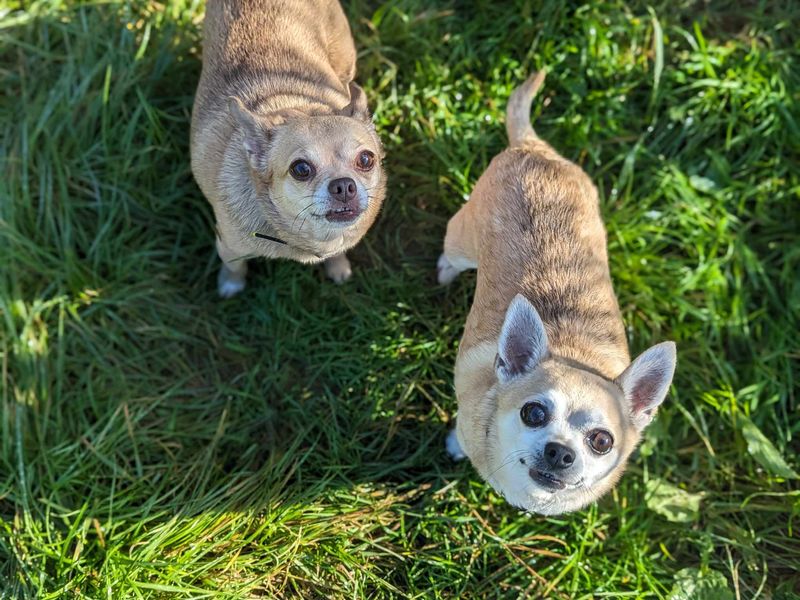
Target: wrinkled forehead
x=326 y=139
x=581 y=398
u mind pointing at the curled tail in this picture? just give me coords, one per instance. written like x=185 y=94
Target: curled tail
x=518 y=111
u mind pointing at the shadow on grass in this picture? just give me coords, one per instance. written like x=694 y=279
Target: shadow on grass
x=135 y=400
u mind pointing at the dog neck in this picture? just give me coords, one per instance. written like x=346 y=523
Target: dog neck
x=595 y=344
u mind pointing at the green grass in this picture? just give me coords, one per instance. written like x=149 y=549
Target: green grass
x=157 y=442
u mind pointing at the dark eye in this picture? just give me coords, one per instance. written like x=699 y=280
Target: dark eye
x=600 y=441
x=365 y=161
x=301 y=170
x=533 y=414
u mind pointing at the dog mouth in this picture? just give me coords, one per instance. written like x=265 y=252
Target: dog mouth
x=342 y=214
x=547 y=480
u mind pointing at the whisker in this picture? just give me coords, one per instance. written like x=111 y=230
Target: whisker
x=297 y=216
x=509 y=459
x=304 y=219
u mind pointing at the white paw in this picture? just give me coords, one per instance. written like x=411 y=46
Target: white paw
x=228 y=289
x=338 y=269
x=445 y=272
x=453 y=447
x=228 y=284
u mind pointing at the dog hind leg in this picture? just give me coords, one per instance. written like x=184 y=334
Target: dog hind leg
x=460 y=246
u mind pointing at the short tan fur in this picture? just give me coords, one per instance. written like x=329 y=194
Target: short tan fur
x=545 y=333
x=276 y=88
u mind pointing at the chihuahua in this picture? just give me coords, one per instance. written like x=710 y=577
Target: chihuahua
x=550 y=406
x=282 y=142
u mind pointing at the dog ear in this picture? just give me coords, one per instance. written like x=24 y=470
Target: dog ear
x=646 y=382
x=523 y=340
x=357 y=108
x=257 y=130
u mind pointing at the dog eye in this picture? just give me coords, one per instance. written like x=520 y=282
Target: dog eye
x=301 y=170
x=533 y=414
x=600 y=441
x=365 y=161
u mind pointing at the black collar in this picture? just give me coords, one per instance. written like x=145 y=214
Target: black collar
x=264 y=236
x=271 y=238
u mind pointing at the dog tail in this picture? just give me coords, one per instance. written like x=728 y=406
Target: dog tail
x=518 y=112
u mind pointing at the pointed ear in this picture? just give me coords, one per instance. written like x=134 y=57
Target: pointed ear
x=257 y=129
x=357 y=108
x=523 y=340
x=646 y=382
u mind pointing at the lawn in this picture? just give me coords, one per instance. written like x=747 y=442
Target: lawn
x=158 y=442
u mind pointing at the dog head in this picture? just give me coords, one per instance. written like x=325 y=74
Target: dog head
x=320 y=176
x=561 y=435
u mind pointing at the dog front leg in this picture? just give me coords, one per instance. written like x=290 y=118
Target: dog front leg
x=338 y=268
x=232 y=276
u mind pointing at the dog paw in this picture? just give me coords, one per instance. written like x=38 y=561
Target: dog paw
x=445 y=272
x=453 y=447
x=228 y=289
x=338 y=269
x=229 y=284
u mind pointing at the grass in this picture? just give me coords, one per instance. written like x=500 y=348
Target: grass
x=159 y=443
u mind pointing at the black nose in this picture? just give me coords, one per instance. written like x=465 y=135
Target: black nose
x=558 y=456
x=342 y=189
